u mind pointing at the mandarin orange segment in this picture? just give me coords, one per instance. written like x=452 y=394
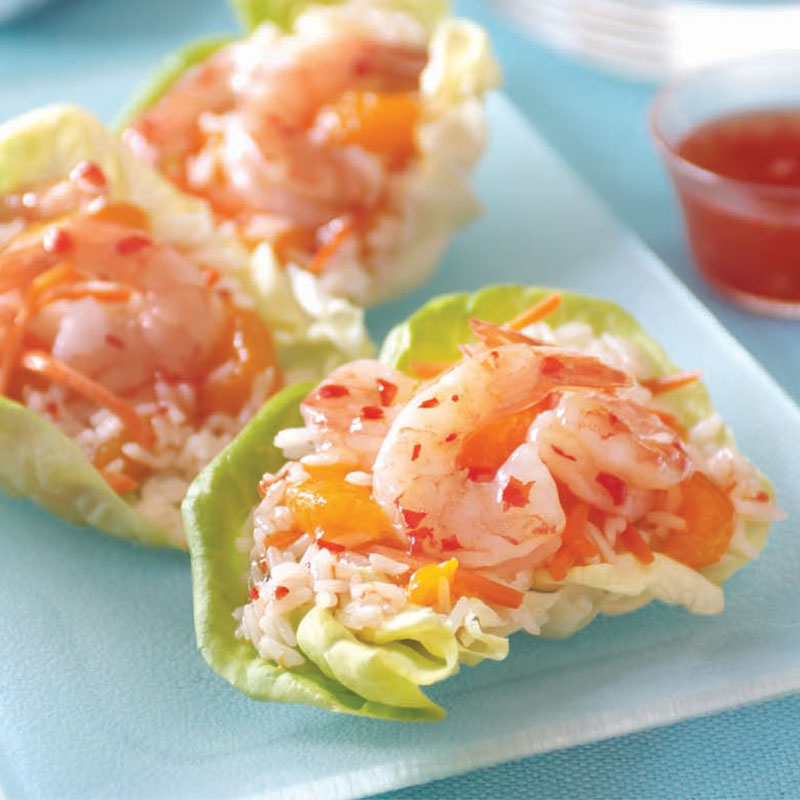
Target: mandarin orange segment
x=382 y=122
x=487 y=449
x=424 y=584
x=244 y=352
x=709 y=516
x=327 y=504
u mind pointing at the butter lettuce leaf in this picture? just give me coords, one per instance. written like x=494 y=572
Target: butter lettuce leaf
x=375 y=675
x=283 y=13
x=163 y=77
x=434 y=333
x=312 y=332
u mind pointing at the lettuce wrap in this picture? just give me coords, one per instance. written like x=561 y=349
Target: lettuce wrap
x=312 y=332
x=434 y=333
x=425 y=201
x=380 y=671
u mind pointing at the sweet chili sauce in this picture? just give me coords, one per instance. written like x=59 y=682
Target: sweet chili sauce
x=745 y=231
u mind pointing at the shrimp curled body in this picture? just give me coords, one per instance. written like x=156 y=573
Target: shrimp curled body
x=417 y=480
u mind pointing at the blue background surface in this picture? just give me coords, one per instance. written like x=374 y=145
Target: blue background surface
x=598 y=123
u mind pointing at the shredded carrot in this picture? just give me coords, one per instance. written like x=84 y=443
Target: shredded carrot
x=561 y=563
x=497 y=335
x=668 y=383
x=634 y=542
x=429 y=369
x=121 y=484
x=546 y=306
x=465 y=582
x=63 y=272
x=282 y=539
x=56 y=371
x=12 y=344
x=102 y=291
x=574 y=533
x=328 y=250
x=474 y=584
x=575 y=543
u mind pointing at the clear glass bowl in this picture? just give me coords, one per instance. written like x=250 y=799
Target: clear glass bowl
x=744 y=236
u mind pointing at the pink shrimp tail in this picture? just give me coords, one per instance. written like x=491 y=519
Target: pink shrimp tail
x=569 y=371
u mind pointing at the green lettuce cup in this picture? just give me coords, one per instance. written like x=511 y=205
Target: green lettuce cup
x=312 y=332
x=401 y=154
x=341 y=673
x=434 y=334
x=381 y=670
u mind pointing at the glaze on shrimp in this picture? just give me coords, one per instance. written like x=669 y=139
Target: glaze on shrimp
x=417 y=480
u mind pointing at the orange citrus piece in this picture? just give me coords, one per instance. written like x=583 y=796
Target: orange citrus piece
x=244 y=352
x=486 y=450
x=381 y=122
x=423 y=586
x=709 y=516
x=326 y=504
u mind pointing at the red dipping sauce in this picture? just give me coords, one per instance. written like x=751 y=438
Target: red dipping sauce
x=744 y=230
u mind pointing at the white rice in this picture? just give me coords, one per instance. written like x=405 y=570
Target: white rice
x=179 y=451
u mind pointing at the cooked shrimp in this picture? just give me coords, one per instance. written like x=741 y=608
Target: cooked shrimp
x=349 y=413
x=156 y=314
x=610 y=451
x=86 y=182
x=434 y=503
x=246 y=128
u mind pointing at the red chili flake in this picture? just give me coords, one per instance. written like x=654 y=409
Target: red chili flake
x=450 y=543
x=614 y=486
x=451 y=437
x=210 y=276
x=362 y=66
x=51 y=409
x=431 y=402
x=551 y=365
x=372 y=412
x=560 y=452
x=114 y=341
x=613 y=419
x=516 y=493
x=325 y=544
x=415 y=539
x=495 y=355
x=761 y=497
x=88 y=172
x=480 y=474
x=254 y=593
x=168 y=377
x=387 y=391
x=162 y=408
x=56 y=241
x=416 y=451
x=263 y=565
x=454 y=398
x=412 y=518
x=132 y=244
x=332 y=390
x=280 y=592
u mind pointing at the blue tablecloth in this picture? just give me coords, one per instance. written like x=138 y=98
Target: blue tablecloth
x=598 y=123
